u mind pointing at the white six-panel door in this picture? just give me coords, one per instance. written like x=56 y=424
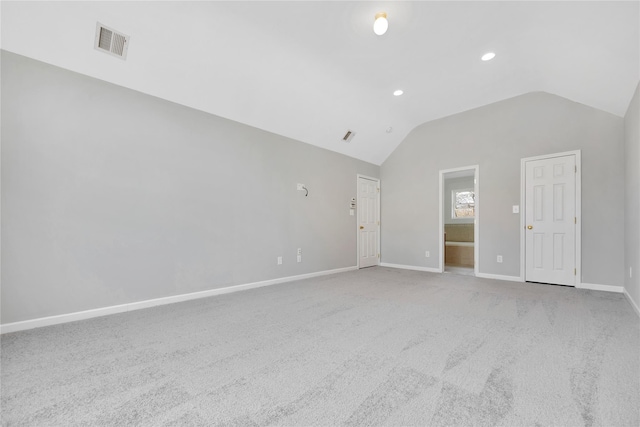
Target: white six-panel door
x=550 y=220
x=368 y=222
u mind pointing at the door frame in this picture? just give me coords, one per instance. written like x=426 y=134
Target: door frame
x=476 y=222
x=358 y=176
x=578 y=230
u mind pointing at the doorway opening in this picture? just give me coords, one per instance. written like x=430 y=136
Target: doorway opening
x=459 y=220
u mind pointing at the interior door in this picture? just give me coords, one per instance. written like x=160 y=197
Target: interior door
x=368 y=222
x=550 y=220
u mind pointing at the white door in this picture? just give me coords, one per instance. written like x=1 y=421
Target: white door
x=550 y=220
x=368 y=222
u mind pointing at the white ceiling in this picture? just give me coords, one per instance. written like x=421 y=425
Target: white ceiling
x=312 y=70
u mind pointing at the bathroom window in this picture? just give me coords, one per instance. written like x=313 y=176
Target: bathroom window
x=463 y=204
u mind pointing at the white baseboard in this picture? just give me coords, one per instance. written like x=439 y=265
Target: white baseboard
x=632 y=302
x=499 y=277
x=410 y=267
x=436 y=270
x=104 y=311
x=596 y=287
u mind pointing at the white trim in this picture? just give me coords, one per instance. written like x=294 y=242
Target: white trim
x=370 y=178
x=410 y=267
x=476 y=221
x=435 y=270
x=632 y=302
x=104 y=311
x=596 y=287
x=499 y=277
x=441 y=222
x=578 y=247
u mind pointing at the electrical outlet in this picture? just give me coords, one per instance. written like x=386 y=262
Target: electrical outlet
x=427 y=254
x=499 y=258
x=279 y=260
x=299 y=251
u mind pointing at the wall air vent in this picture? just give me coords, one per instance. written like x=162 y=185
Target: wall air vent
x=111 y=42
x=348 y=136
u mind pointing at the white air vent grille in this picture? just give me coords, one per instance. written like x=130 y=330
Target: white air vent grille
x=110 y=41
x=348 y=136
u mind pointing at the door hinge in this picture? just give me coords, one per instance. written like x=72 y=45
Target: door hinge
x=378 y=222
x=378 y=255
x=575 y=220
x=378 y=190
x=576 y=169
x=575 y=271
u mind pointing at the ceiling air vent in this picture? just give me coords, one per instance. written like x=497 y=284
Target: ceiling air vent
x=111 y=42
x=348 y=136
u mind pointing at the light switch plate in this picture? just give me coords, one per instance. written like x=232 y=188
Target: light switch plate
x=516 y=209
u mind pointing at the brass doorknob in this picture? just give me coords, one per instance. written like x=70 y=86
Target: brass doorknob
x=530 y=227
x=361 y=227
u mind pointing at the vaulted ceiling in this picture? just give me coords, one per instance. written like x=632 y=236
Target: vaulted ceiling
x=313 y=70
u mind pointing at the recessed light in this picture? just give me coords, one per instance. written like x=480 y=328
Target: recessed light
x=398 y=92
x=488 y=56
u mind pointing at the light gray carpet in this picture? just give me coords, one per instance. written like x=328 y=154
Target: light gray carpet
x=373 y=347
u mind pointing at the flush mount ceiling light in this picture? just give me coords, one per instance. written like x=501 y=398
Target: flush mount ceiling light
x=398 y=92
x=381 y=24
x=488 y=56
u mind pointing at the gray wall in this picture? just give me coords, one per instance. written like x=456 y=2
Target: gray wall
x=632 y=197
x=110 y=196
x=451 y=184
x=496 y=137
